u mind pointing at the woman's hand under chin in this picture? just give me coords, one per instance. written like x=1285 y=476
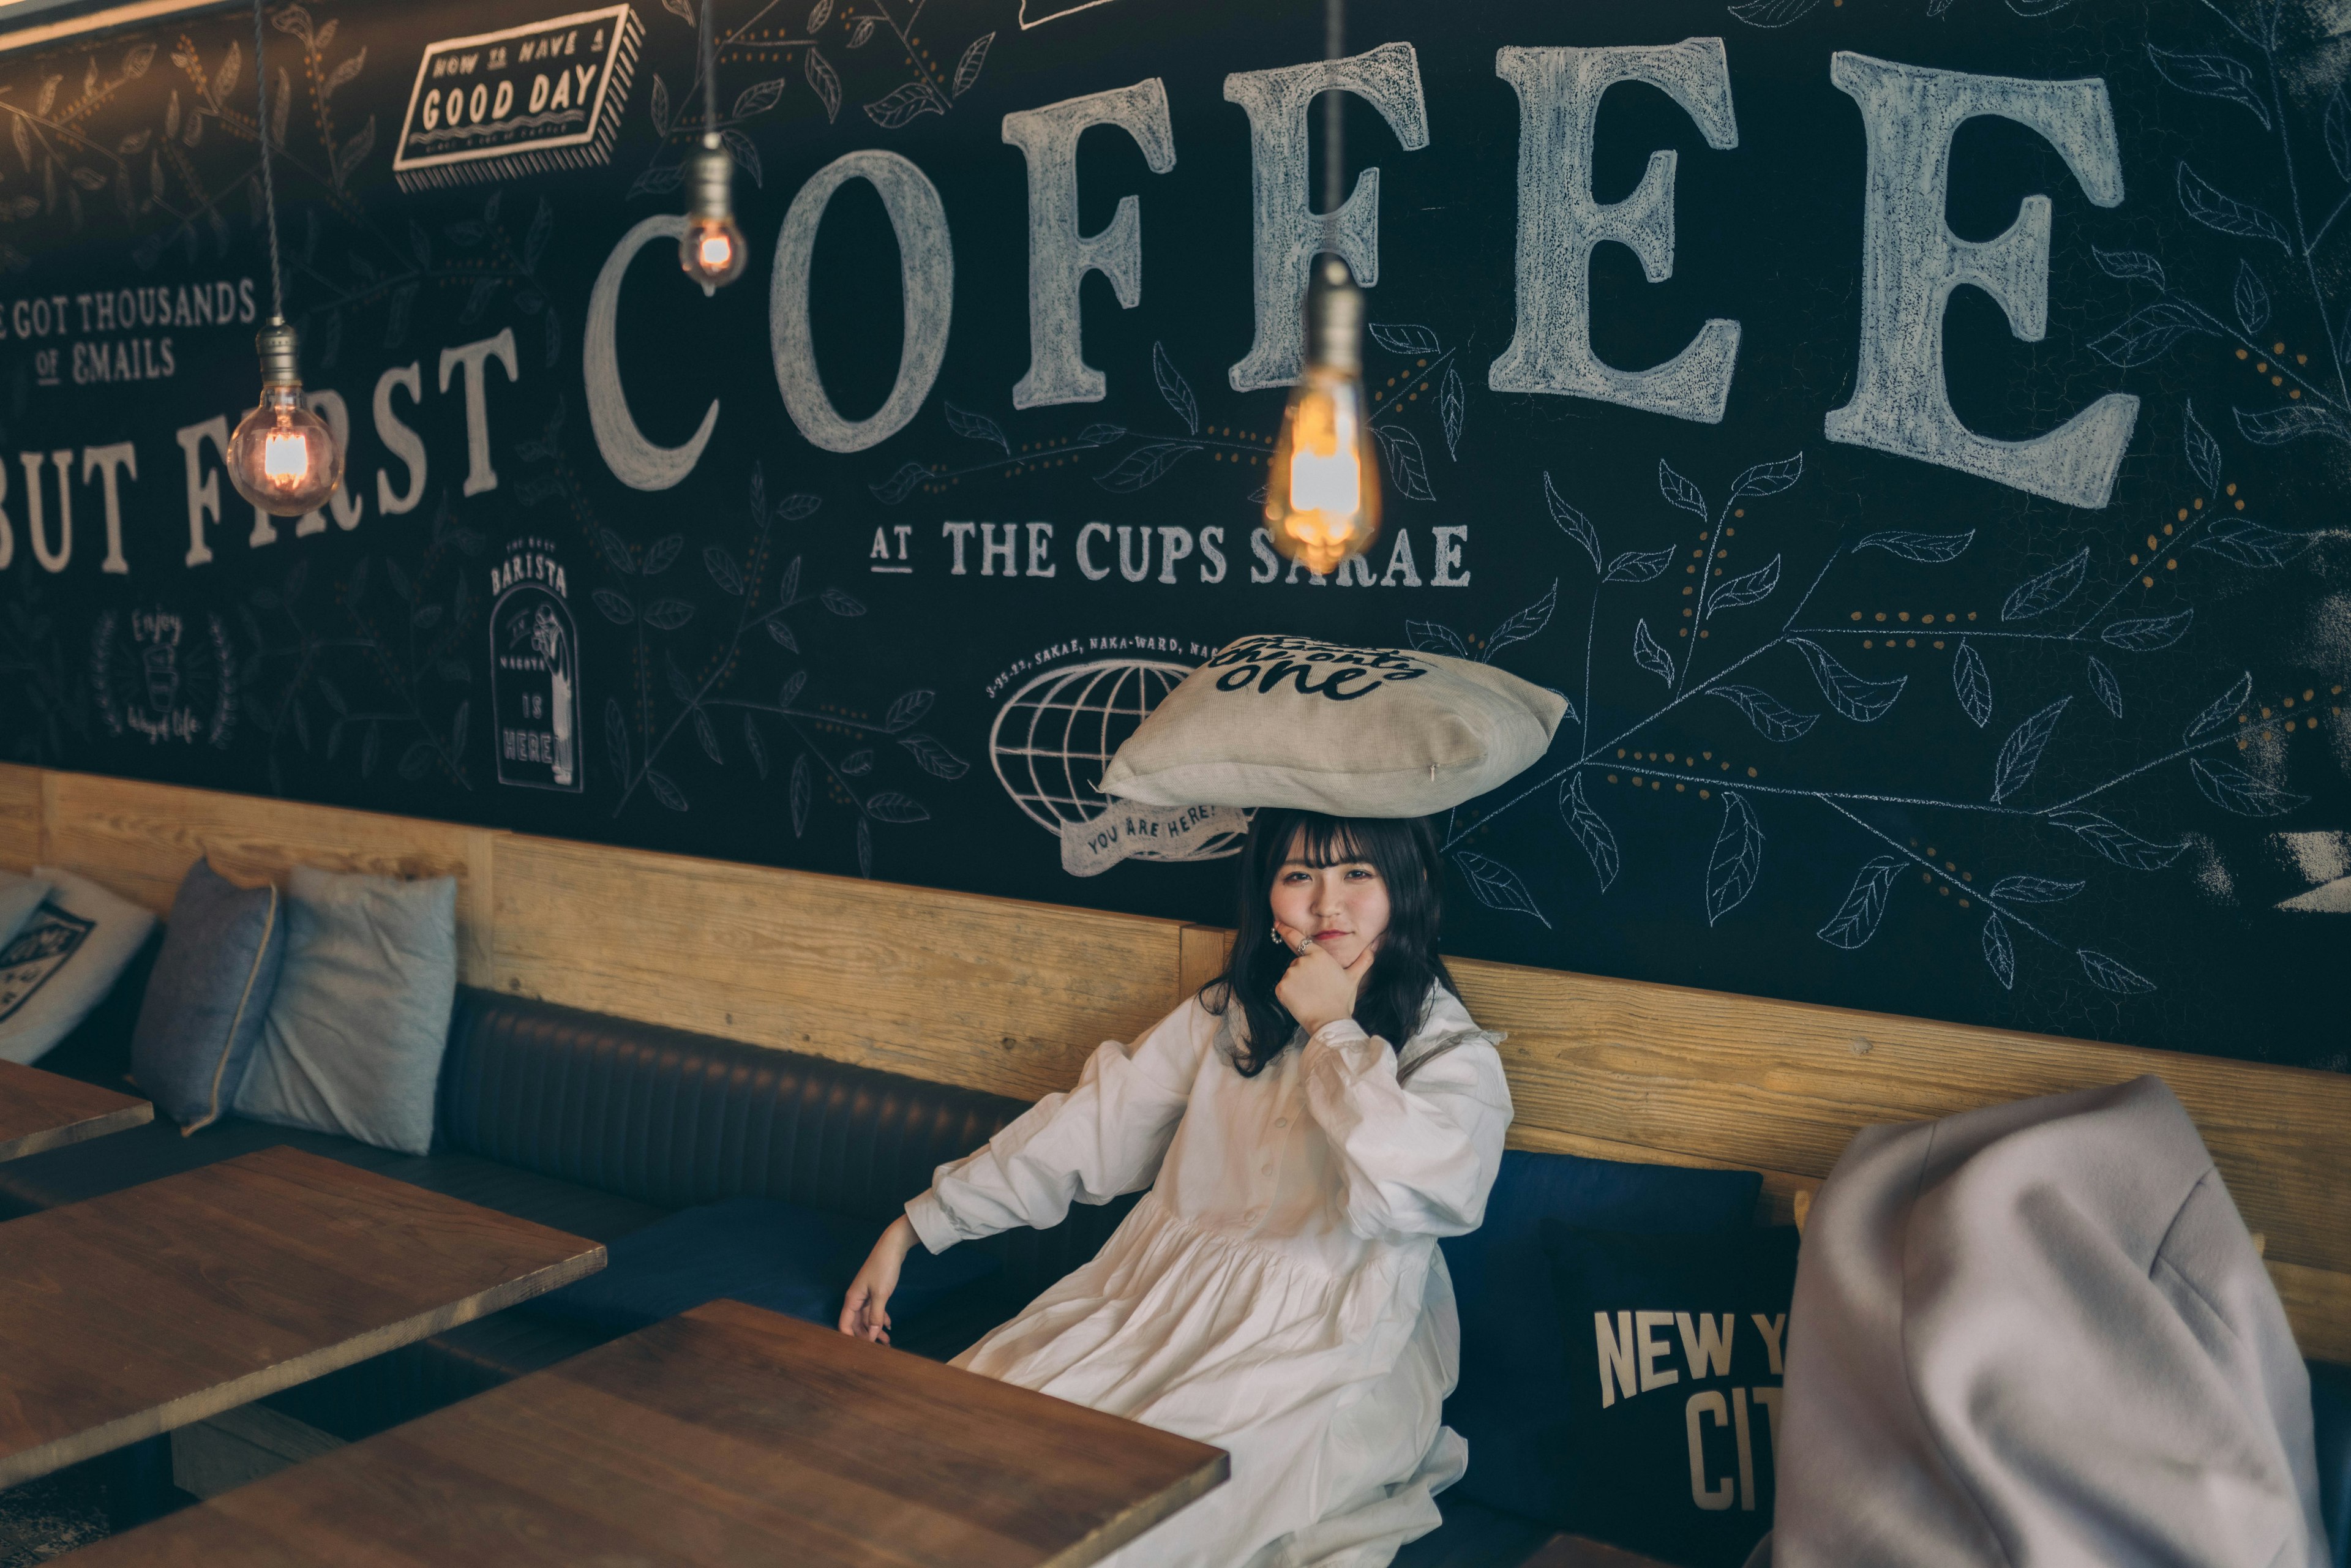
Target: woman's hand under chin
x=1318 y=990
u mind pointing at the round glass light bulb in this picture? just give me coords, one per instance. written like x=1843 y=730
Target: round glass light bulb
x=712 y=251
x=282 y=457
x=1323 y=498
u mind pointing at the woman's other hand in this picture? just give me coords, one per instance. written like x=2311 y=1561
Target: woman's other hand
x=1318 y=990
x=864 y=1313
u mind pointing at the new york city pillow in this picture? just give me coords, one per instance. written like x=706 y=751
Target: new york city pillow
x=1670 y=1410
x=1321 y=727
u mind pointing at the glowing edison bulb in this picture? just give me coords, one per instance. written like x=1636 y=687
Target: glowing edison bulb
x=712 y=249
x=1322 y=500
x=282 y=457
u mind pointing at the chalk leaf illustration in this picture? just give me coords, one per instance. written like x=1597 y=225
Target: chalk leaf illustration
x=1497 y=886
x=977 y=428
x=1932 y=549
x=1591 y=831
x=2117 y=843
x=1772 y=719
x=1638 y=566
x=1145 y=466
x=2035 y=890
x=1407 y=468
x=902 y=481
x=1855 y=921
x=2213 y=76
x=2108 y=690
x=1574 y=524
x=2020 y=754
x=2221 y=709
x=1174 y=388
x=1858 y=698
x=822 y=79
x=911 y=99
x=2214 y=210
x=2234 y=790
x=1526 y=623
x=2147 y=633
x=1450 y=410
x=1767 y=478
x=2251 y=297
x=2000 y=952
x=2148 y=332
x=1973 y=682
x=1408 y=338
x=2110 y=975
x=1678 y=491
x=2249 y=543
x=1433 y=637
x=975 y=56
x=2294 y=421
x=2203 y=451
x=2129 y=264
x=2039 y=595
x=1751 y=588
x=1738 y=858
x=1648 y=655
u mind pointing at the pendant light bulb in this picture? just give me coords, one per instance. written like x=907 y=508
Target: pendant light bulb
x=712 y=249
x=282 y=457
x=1323 y=498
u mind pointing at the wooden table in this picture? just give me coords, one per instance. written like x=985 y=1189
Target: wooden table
x=130 y=1315
x=43 y=1111
x=727 y=1435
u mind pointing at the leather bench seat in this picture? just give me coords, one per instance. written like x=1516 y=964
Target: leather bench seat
x=599 y=1126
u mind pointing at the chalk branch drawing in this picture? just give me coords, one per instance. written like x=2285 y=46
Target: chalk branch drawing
x=353 y=671
x=923 y=84
x=674 y=691
x=1425 y=370
x=2058 y=613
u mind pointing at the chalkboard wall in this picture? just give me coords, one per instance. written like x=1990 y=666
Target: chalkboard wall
x=1937 y=525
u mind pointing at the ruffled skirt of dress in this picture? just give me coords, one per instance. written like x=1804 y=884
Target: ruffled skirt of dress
x=1324 y=1388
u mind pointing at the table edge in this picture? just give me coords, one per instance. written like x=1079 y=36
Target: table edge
x=1124 y=1527
x=28 y=1464
x=121 y=1119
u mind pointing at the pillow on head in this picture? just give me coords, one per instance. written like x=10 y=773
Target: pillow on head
x=19 y=897
x=1673 y=1388
x=205 y=1001
x=62 y=960
x=1352 y=732
x=1512 y=1397
x=353 y=1039
x=769 y=1253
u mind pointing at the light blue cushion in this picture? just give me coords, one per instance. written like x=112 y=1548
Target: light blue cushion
x=2330 y=1408
x=353 y=1041
x=200 y=1019
x=63 y=961
x=19 y=897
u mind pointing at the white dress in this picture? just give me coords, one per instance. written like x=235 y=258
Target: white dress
x=1279 y=1291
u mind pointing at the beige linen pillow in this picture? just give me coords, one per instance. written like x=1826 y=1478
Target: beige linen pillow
x=1354 y=732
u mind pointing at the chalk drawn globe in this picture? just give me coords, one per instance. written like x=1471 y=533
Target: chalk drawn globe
x=1055 y=736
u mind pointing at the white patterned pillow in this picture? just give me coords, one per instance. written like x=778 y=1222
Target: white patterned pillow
x=63 y=961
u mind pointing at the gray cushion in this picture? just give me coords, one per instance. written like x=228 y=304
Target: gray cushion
x=19 y=897
x=353 y=1041
x=208 y=996
x=63 y=962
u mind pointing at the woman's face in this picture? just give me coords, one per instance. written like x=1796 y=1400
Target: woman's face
x=1344 y=907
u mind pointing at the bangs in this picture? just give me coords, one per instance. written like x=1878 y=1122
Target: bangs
x=1319 y=842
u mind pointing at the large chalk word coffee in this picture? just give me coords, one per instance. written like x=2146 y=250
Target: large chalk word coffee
x=1355 y=732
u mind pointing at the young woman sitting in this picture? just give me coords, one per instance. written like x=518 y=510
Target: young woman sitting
x=1309 y=1124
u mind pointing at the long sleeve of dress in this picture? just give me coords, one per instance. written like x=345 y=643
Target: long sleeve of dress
x=1416 y=1156
x=1105 y=1137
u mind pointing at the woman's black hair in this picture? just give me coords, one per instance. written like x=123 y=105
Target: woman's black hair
x=1394 y=998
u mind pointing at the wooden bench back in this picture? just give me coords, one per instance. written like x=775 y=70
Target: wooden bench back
x=1009 y=996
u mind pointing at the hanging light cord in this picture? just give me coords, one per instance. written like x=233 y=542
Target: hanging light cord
x=709 y=79
x=1334 y=40
x=268 y=184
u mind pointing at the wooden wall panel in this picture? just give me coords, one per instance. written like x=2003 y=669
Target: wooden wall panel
x=20 y=817
x=140 y=839
x=987 y=992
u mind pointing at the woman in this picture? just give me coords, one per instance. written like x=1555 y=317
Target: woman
x=1309 y=1125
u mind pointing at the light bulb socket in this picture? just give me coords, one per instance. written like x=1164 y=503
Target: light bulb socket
x=281 y=354
x=710 y=174
x=1334 y=319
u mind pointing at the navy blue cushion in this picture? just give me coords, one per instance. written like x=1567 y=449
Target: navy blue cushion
x=1513 y=1362
x=212 y=986
x=769 y=1253
x=2330 y=1404
x=1664 y=1435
